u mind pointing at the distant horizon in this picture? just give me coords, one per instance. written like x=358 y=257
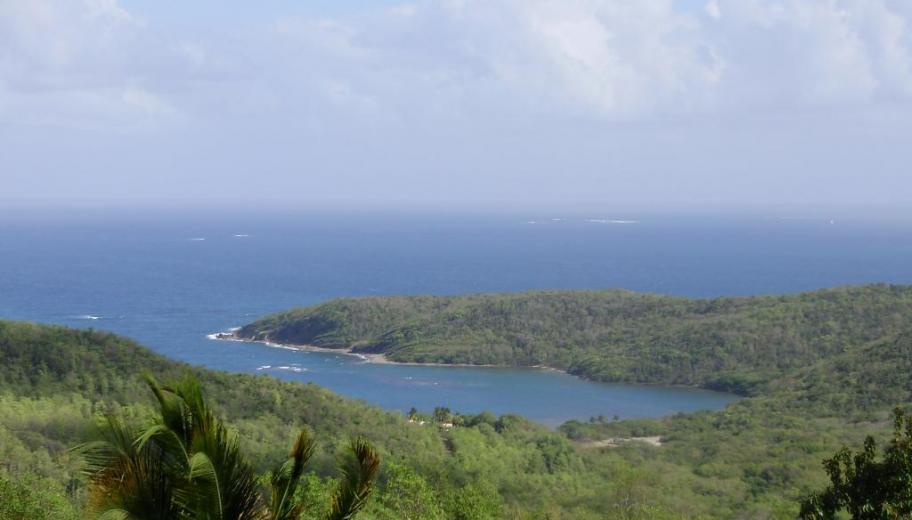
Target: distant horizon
x=587 y=210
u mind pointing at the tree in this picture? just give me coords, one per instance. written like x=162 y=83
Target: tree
x=866 y=488
x=442 y=415
x=475 y=501
x=24 y=499
x=187 y=464
x=408 y=496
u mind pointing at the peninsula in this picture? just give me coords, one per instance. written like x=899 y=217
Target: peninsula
x=736 y=344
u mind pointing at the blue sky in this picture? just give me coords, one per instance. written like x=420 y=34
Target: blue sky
x=655 y=104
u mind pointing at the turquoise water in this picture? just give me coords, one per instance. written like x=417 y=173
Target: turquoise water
x=151 y=278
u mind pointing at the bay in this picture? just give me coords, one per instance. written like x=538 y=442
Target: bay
x=168 y=280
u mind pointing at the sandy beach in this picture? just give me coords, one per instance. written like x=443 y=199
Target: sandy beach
x=380 y=359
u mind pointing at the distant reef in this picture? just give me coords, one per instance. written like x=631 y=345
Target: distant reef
x=738 y=344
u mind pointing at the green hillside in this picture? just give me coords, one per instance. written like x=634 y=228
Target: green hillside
x=725 y=343
x=55 y=382
x=842 y=362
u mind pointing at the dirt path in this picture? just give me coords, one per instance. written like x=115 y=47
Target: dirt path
x=614 y=442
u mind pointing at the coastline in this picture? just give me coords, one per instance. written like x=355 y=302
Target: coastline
x=381 y=359
x=378 y=359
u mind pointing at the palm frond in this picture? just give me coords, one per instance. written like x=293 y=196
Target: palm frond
x=229 y=487
x=186 y=464
x=359 y=470
x=127 y=479
x=217 y=482
x=287 y=477
x=174 y=412
x=114 y=514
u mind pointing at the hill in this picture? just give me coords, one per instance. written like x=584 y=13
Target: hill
x=723 y=343
x=754 y=459
x=56 y=382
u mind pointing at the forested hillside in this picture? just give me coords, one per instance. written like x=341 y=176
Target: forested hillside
x=725 y=343
x=55 y=382
x=754 y=459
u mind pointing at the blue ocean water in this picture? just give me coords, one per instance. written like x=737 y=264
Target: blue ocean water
x=168 y=280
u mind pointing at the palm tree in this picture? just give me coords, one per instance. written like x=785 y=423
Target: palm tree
x=187 y=464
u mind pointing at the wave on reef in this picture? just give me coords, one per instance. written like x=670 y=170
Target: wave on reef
x=611 y=221
x=290 y=368
x=227 y=335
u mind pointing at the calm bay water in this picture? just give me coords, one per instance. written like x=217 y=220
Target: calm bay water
x=168 y=280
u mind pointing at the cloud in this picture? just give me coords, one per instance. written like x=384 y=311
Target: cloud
x=613 y=59
x=451 y=58
x=790 y=55
x=79 y=64
x=653 y=100
x=713 y=10
x=772 y=99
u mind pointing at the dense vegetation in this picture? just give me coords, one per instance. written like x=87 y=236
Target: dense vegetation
x=725 y=343
x=57 y=384
x=756 y=459
x=864 y=487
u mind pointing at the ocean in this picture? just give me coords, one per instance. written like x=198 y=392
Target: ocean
x=169 y=279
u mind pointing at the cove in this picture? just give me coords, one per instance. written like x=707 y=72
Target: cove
x=547 y=396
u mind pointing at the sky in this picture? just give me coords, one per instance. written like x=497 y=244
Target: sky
x=472 y=104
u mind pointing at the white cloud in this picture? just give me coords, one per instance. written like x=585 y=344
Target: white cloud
x=713 y=10
x=107 y=9
x=81 y=64
x=789 y=54
x=615 y=59
x=610 y=59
